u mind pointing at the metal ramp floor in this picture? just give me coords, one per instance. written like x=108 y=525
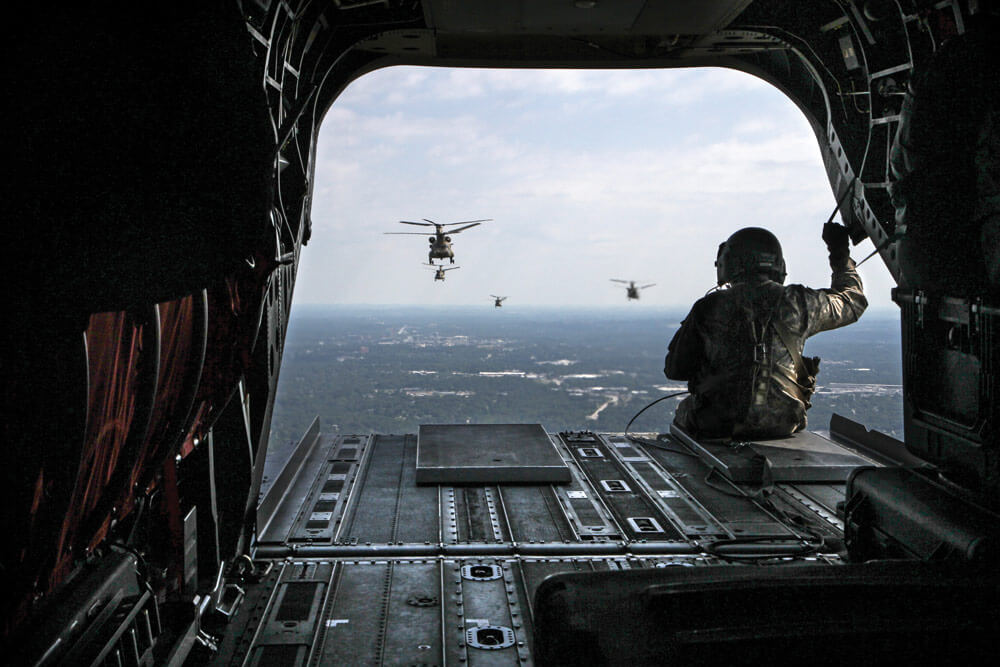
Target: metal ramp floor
x=360 y=564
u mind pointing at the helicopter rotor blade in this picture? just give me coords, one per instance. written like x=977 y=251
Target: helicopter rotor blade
x=649 y=285
x=421 y=224
x=430 y=221
x=456 y=231
x=463 y=222
x=408 y=233
x=616 y=280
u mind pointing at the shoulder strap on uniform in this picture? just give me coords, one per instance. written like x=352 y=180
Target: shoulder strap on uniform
x=804 y=383
x=786 y=337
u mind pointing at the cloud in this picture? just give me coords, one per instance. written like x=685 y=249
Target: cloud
x=397 y=86
x=588 y=175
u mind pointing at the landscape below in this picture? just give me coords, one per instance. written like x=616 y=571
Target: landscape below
x=390 y=369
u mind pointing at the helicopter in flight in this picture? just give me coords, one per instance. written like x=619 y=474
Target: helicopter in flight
x=631 y=291
x=498 y=300
x=439 y=270
x=440 y=242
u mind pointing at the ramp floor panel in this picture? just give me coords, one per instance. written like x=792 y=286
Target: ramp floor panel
x=369 y=566
x=471 y=611
x=619 y=492
x=487 y=453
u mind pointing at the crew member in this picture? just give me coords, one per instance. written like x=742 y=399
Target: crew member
x=740 y=348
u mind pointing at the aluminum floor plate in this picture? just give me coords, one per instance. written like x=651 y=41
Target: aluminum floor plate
x=488 y=454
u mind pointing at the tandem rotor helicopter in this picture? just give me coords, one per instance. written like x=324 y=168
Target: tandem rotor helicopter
x=440 y=242
x=440 y=269
x=631 y=291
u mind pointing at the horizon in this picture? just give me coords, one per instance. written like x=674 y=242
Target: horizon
x=877 y=312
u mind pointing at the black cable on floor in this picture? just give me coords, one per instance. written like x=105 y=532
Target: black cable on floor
x=653 y=443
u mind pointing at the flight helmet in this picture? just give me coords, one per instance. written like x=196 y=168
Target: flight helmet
x=750 y=251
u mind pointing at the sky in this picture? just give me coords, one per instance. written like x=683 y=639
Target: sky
x=588 y=175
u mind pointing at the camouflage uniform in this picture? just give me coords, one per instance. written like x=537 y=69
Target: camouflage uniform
x=741 y=376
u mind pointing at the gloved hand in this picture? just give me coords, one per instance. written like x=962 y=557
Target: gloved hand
x=837 y=240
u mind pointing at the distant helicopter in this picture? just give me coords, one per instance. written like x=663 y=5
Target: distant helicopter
x=498 y=300
x=440 y=244
x=632 y=292
x=439 y=270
